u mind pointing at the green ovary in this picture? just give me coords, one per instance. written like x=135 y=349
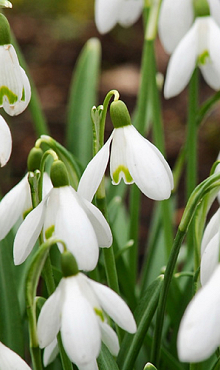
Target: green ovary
x=49 y=232
x=202 y=58
x=4 y=91
x=127 y=174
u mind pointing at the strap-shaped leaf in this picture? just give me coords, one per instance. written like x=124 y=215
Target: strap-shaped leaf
x=105 y=360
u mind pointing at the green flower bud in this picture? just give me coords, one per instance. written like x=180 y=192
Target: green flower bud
x=119 y=114
x=201 y=8
x=149 y=366
x=5 y=37
x=58 y=174
x=34 y=159
x=68 y=264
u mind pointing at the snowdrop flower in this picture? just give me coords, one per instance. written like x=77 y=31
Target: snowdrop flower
x=5 y=4
x=64 y=214
x=201 y=46
x=132 y=158
x=77 y=308
x=15 y=89
x=109 y=13
x=5 y=142
x=199 y=333
x=10 y=360
x=17 y=203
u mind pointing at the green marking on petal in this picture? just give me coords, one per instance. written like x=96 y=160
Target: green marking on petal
x=23 y=95
x=127 y=174
x=4 y=91
x=27 y=212
x=202 y=58
x=49 y=232
x=99 y=313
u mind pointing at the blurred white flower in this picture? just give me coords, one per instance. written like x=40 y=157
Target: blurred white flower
x=77 y=308
x=9 y=360
x=5 y=4
x=17 y=203
x=5 y=142
x=199 y=333
x=200 y=46
x=132 y=158
x=66 y=215
x=109 y=13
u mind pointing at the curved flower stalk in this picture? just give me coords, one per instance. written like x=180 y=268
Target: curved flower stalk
x=199 y=334
x=132 y=158
x=64 y=214
x=77 y=308
x=201 y=46
x=5 y=142
x=109 y=13
x=17 y=203
x=10 y=360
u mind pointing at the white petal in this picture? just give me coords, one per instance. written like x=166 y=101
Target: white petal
x=109 y=338
x=79 y=325
x=176 y=18
x=215 y=10
x=211 y=229
x=5 y=142
x=99 y=223
x=211 y=69
x=94 y=172
x=47 y=184
x=147 y=166
x=181 y=68
x=210 y=258
x=50 y=352
x=20 y=105
x=114 y=306
x=199 y=333
x=91 y=366
x=73 y=226
x=106 y=14
x=129 y=11
x=28 y=233
x=118 y=159
x=48 y=324
x=12 y=206
x=9 y=360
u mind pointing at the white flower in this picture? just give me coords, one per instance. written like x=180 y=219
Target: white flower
x=109 y=13
x=199 y=46
x=9 y=360
x=5 y=4
x=134 y=159
x=17 y=203
x=199 y=332
x=77 y=308
x=14 y=84
x=66 y=215
x=5 y=142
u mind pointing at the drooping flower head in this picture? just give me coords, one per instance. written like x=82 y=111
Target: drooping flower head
x=109 y=13
x=132 y=158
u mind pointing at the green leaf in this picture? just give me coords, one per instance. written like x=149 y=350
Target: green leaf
x=106 y=360
x=143 y=314
x=82 y=98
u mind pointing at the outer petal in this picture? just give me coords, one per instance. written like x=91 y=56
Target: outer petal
x=5 y=142
x=9 y=360
x=106 y=14
x=147 y=166
x=114 y=306
x=211 y=69
x=50 y=352
x=79 y=325
x=94 y=172
x=91 y=366
x=20 y=105
x=74 y=227
x=99 y=223
x=180 y=67
x=12 y=206
x=48 y=324
x=209 y=259
x=176 y=18
x=199 y=333
x=109 y=338
x=28 y=233
x=215 y=10
x=211 y=229
x=129 y=11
